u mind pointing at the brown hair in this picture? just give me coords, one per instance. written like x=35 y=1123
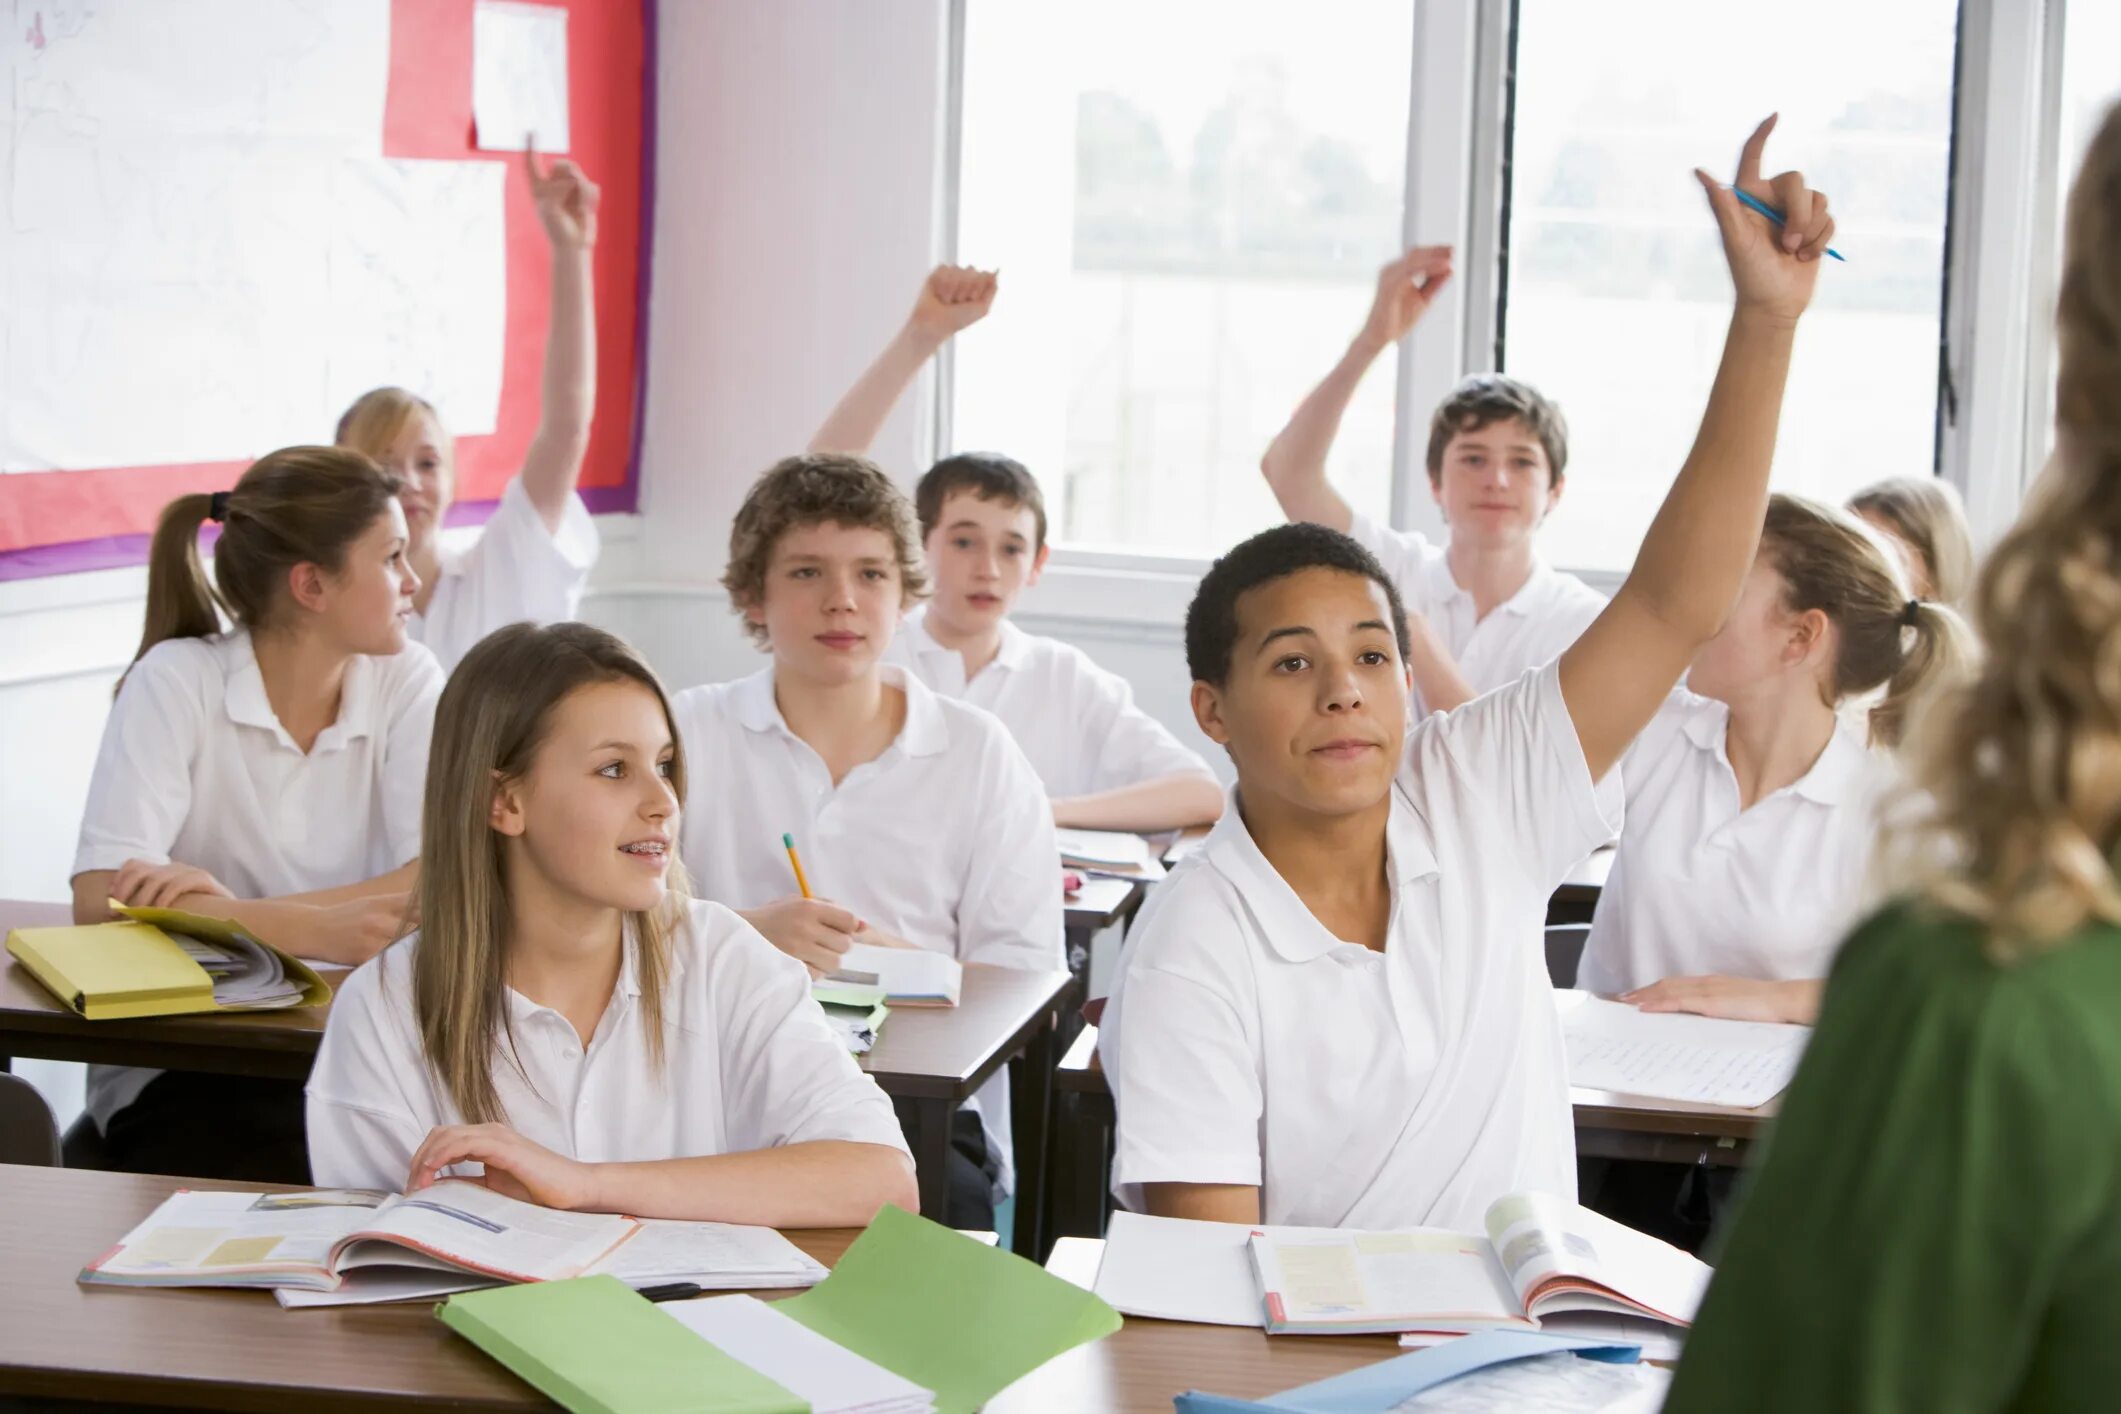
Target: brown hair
x=1488 y=398
x=299 y=505
x=493 y=716
x=988 y=475
x=1831 y=561
x=1927 y=516
x=380 y=416
x=817 y=488
x=2018 y=775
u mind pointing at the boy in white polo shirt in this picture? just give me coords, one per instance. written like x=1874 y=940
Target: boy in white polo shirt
x=1106 y=764
x=1337 y=1012
x=1484 y=607
x=917 y=820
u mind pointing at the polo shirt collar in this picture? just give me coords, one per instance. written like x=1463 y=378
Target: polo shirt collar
x=1444 y=587
x=1013 y=652
x=925 y=733
x=1290 y=928
x=1834 y=779
x=246 y=704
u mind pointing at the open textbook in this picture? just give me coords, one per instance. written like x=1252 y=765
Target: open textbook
x=1540 y=1257
x=341 y=1246
x=1111 y=852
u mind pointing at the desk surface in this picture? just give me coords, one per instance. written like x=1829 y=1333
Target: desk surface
x=239 y=1350
x=1102 y=901
x=923 y=1052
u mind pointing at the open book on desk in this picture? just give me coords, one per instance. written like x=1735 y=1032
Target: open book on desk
x=1539 y=1256
x=1674 y=1056
x=341 y=1246
x=1111 y=852
x=907 y=976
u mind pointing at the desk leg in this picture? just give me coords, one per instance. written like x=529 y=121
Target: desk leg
x=1031 y=1109
x=931 y=1152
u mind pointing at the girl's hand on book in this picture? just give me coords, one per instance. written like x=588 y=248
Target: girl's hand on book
x=515 y=1167
x=144 y=885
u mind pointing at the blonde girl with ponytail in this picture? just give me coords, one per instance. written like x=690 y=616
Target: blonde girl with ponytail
x=267 y=771
x=1937 y=1222
x=1925 y=519
x=567 y=1018
x=1752 y=804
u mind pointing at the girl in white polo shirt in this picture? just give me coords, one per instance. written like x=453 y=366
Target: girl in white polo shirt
x=1752 y=801
x=269 y=774
x=567 y=1017
x=1484 y=607
x=917 y=820
x=532 y=556
x=1337 y=1012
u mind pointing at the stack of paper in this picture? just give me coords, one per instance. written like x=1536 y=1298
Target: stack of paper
x=247 y=975
x=855 y=1011
x=906 y=976
x=1672 y=1056
x=827 y=1376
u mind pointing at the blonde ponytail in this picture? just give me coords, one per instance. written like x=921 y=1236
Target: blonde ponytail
x=1940 y=652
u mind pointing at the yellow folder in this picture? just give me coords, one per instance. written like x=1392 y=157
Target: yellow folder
x=104 y=971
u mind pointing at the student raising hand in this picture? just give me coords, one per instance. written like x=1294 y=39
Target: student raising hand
x=1756 y=248
x=952 y=299
x=566 y=201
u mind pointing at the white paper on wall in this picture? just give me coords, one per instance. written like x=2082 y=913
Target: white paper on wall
x=419 y=287
x=204 y=249
x=519 y=76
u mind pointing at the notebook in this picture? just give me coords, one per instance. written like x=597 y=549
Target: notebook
x=354 y=1246
x=1673 y=1056
x=856 y=1013
x=1113 y=852
x=163 y=962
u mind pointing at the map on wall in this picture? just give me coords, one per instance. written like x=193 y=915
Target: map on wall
x=205 y=251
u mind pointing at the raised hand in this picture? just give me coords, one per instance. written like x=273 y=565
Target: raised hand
x=1406 y=287
x=566 y=201
x=1775 y=268
x=953 y=298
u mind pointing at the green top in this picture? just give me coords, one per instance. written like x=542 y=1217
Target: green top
x=1937 y=1222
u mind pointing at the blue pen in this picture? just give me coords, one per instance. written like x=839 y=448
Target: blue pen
x=1776 y=216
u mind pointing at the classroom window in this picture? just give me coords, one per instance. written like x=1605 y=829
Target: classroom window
x=1614 y=296
x=1188 y=205
x=2090 y=84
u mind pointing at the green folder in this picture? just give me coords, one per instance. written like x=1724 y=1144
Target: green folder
x=595 y=1346
x=947 y=1311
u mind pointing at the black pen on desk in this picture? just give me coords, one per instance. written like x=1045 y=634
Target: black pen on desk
x=673 y=1291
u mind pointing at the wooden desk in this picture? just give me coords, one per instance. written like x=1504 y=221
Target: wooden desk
x=932 y=1058
x=216 y=1349
x=240 y=1350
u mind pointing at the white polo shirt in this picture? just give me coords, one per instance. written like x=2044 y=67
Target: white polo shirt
x=749 y=1063
x=945 y=839
x=516 y=571
x=1076 y=721
x=195 y=767
x=1528 y=630
x=1248 y=1045
x=1699 y=887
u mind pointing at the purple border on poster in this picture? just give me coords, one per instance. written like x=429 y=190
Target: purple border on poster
x=112 y=552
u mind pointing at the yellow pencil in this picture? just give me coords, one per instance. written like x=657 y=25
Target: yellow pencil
x=796 y=864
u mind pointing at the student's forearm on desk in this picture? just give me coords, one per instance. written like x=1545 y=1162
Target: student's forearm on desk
x=403 y=879
x=1203 y=1202
x=824 y=1183
x=1165 y=803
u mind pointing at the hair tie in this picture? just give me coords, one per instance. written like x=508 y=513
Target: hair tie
x=217 y=509
x=1910 y=614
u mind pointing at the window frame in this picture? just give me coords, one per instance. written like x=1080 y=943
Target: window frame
x=1990 y=441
